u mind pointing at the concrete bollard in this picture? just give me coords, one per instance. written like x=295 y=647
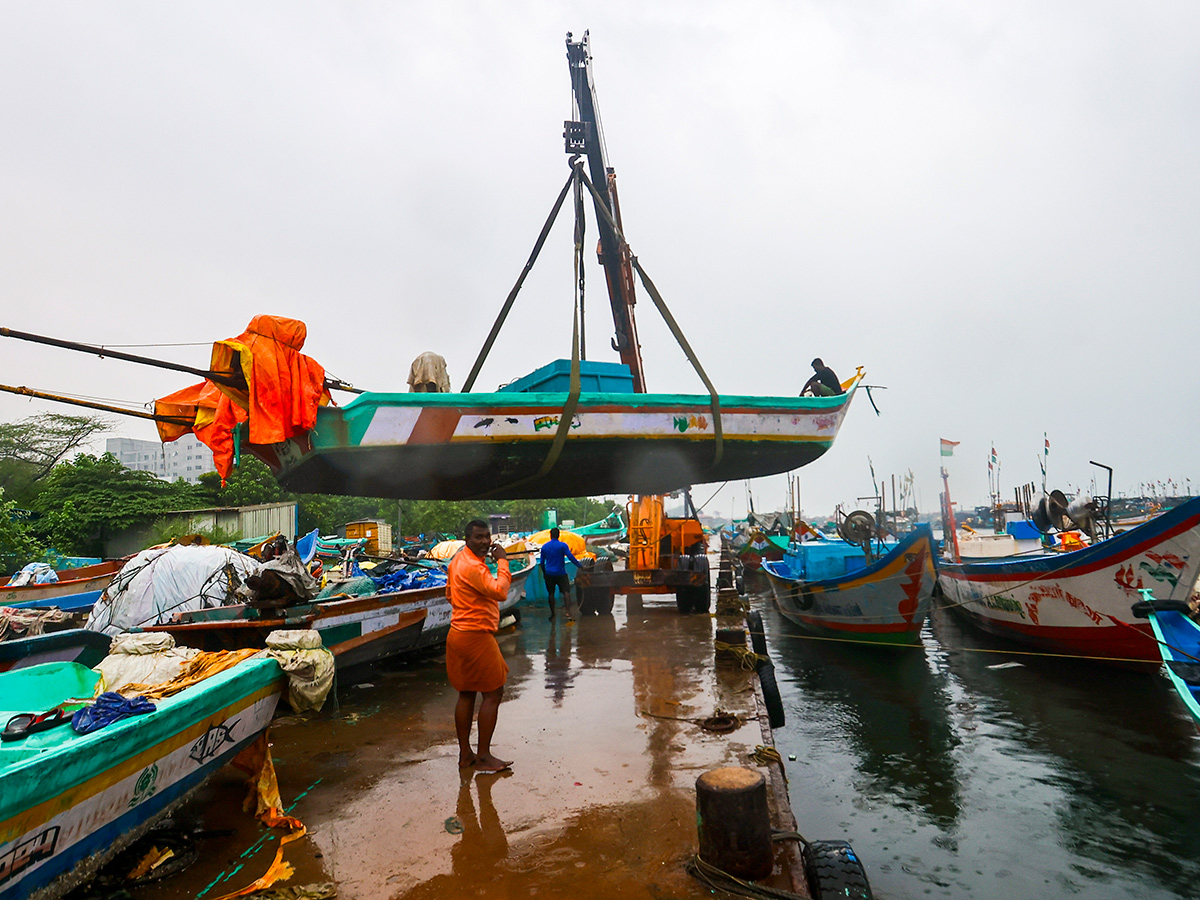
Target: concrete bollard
x=734 y=822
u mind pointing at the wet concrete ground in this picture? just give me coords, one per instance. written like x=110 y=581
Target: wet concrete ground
x=600 y=717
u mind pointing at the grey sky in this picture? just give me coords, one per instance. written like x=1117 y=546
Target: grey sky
x=993 y=207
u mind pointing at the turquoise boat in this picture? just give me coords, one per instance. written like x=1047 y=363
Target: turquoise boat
x=70 y=645
x=607 y=531
x=70 y=802
x=514 y=445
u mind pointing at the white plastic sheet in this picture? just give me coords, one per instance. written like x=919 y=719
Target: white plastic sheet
x=158 y=583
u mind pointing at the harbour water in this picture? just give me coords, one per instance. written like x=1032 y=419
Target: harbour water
x=958 y=771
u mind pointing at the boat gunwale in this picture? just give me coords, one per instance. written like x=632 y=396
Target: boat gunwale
x=496 y=401
x=1083 y=561
x=922 y=533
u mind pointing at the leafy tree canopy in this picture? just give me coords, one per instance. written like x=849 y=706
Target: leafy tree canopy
x=30 y=449
x=85 y=501
x=17 y=544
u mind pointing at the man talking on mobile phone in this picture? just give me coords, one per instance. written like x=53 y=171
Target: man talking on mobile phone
x=473 y=660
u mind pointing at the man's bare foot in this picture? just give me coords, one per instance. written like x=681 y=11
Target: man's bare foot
x=491 y=763
x=465 y=761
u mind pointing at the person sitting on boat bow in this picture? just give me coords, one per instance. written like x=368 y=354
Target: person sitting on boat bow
x=824 y=382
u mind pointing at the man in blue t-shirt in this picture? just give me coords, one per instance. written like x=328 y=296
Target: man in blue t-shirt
x=555 y=554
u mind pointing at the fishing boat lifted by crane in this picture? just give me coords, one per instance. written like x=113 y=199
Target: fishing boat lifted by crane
x=541 y=437
x=554 y=438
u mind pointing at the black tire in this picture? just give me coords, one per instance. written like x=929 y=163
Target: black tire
x=604 y=605
x=833 y=870
x=701 y=598
x=595 y=601
x=683 y=600
x=758 y=637
x=804 y=599
x=770 y=689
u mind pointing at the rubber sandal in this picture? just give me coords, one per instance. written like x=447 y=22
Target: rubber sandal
x=22 y=725
x=18 y=727
x=48 y=720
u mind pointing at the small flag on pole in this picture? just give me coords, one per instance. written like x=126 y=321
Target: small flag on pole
x=948 y=447
x=993 y=461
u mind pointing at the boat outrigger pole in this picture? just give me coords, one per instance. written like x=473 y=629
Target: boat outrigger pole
x=214 y=377
x=74 y=401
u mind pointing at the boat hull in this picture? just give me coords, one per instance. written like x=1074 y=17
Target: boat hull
x=80 y=591
x=1079 y=603
x=68 y=810
x=355 y=630
x=73 y=645
x=464 y=446
x=885 y=603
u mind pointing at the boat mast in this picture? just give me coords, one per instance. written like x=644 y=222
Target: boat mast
x=948 y=519
x=584 y=136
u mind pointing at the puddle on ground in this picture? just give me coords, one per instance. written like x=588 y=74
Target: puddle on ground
x=599 y=717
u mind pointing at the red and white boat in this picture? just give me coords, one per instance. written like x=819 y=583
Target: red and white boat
x=1078 y=603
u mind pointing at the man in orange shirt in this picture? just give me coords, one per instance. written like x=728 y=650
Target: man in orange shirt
x=473 y=660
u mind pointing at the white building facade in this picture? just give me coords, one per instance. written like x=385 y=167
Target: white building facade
x=185 y=458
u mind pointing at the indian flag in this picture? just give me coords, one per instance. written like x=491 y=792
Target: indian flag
x=948 y=447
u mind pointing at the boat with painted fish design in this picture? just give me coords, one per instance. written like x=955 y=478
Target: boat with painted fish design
x=69 y=802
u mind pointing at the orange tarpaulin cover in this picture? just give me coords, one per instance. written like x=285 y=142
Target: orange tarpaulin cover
x=214 y=417
x=283 y=386
x=283 y=389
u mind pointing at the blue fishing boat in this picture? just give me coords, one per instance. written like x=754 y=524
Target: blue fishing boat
x=1178 y=638
x=832 y=588
x=69 y=802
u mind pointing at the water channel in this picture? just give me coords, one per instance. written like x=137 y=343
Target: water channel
x=959 y=771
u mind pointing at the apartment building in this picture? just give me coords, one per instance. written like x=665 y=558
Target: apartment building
x=185 y=458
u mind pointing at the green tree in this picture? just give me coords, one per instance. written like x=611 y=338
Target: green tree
x=84 y=502
x=17 y=545
x=250 y=483
x=30 y=449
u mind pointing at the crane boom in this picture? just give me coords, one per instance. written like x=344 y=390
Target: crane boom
x=584 y=136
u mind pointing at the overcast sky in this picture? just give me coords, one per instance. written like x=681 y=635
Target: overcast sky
x=994 y=207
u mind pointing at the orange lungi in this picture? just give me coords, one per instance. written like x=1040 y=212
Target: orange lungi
x=474 y=662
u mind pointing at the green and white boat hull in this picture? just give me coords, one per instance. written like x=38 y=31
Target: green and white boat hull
x=461 y=446
x=70 y=802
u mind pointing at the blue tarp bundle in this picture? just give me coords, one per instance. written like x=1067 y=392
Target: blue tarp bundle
x=109 y=707
x=408 y=579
